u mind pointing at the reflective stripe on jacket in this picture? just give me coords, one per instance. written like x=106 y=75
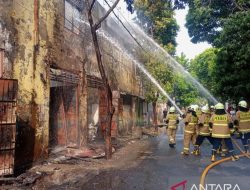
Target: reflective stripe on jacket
x=244 y=121
x=220 y=126
x=192 y=123
x=204 y=119
x=172 y=118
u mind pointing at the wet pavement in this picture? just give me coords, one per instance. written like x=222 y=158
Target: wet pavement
x=160 y=168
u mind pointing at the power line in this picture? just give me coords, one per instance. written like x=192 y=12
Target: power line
x=126 y=28
x=63 y=17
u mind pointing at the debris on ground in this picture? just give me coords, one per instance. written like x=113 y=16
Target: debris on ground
x=149 y=132
x=29 y=178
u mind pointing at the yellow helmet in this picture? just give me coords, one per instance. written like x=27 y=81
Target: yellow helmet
x=243 y=104
x=205 y=109
x=219 y=106
x=193 y=107
x=196 y=108
x=172 y=109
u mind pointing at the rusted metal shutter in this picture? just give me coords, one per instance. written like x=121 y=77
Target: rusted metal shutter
x=95 y=82
x=8 y=94
x=63 y=76
x=64 y=108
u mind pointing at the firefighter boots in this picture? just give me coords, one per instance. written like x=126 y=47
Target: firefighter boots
x=213 y=157
x=196 y=151
x=246 y=148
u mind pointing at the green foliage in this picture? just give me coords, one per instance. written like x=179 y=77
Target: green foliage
x=161 y=73
x=185 y=92
x=157 y=18
x=224 y=24
x=205 y=18
x=183 y=60
x=203 y=68
x=233 y=66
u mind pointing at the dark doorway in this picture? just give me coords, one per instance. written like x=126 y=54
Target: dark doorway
x=63 y=120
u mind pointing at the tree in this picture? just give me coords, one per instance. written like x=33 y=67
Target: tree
x=233 y=65
x=162 y=74
x=224 y=24
x=157 y=17
x=110 y=108
x=205 y=18
x=203 y=68
x=184 y=91
x=183 y=60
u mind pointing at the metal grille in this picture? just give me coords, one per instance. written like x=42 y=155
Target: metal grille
x=95 y=82
x=8 y=93
x=63 y=108
x=64 y=76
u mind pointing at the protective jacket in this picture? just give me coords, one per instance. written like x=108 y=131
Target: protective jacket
x=220 y=125
x=172 y=120
x=243 y=119
x=198 y=113
x=191 y=123
x=203 y=125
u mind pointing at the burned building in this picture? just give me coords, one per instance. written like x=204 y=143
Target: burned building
x=50 y=87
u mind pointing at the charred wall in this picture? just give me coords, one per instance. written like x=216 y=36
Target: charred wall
x=34 y=39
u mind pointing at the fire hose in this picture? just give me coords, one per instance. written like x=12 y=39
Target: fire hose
x=205 y=172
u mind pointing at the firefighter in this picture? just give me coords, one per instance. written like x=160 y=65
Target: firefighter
x=221 y=124
x=223 y=147
x=222 y=150
x=203 y=129
x=172 y=121
x=242 y=123
x=211 y=110
x=191 y=121
x=198 y=111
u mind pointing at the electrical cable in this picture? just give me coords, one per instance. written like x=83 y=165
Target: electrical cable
x=63 y=17
x=126 y=28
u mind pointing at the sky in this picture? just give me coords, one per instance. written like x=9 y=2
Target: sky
x=183 y=40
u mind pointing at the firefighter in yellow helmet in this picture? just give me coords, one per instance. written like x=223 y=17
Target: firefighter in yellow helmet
x=221 y=123
x=172 y=121
x=242 y=123
x=191 y=121
x=203 y=130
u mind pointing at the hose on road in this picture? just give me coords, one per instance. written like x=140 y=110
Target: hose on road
x=238 y=146
x=205 y=172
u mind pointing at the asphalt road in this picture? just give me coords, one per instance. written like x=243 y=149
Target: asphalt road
x=160 y=168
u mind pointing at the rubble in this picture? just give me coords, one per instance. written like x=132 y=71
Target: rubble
x=149 y=132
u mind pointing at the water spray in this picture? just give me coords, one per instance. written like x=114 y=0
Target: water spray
x=141 y=67
x=102 y=33
x=168 y=59
x=153 y=80
x=149 y=45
